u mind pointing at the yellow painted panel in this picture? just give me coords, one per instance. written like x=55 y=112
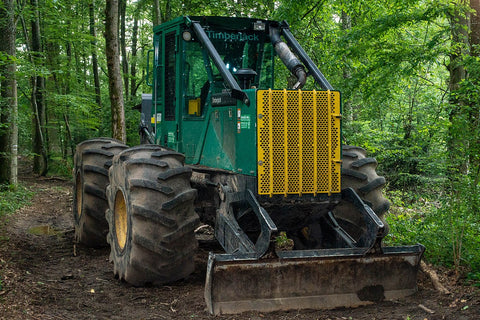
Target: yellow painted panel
x=299 y=145
x=194 y=107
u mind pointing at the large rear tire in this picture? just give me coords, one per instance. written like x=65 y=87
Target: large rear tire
x=151 y=216
x=359 y=173
x=92 y=160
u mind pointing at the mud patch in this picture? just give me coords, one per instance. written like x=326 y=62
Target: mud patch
x=44 y=230
x=371 y=293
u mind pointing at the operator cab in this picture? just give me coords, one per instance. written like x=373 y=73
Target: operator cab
x=246 y=53
x=205 y=81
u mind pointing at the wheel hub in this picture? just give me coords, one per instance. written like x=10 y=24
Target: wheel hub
x=120 y=217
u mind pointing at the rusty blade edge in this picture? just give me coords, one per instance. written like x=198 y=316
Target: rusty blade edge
x=323 y=302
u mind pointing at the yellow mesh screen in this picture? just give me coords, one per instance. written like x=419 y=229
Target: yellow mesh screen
x=298 y=136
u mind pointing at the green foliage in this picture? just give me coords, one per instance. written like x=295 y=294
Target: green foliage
x=448 y=226
x=13 y=198
x=282 y=242
x=60 y=167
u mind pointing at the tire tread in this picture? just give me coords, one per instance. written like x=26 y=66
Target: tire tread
x=161 y=241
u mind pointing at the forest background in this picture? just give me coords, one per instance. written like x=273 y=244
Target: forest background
x=408 y=70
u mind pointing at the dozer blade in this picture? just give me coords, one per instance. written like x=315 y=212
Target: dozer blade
x=310 y=279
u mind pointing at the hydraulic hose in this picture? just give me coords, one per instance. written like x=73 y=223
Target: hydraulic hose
x=288 y=58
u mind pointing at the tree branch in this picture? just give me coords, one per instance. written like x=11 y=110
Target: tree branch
x=311 y=9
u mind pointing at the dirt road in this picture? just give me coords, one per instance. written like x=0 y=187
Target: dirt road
x=45 y=276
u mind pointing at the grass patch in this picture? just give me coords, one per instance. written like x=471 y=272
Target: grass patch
x=12 y=199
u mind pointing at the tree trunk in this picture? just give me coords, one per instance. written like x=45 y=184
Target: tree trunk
x=459 y=28
x=78 y=68
x=347 y=104
x=123 y=45
x=83 y=65
x=96 y=78
x=475 y=27
x=168 y=12
x=40 y=160
x=456 y=144
x=474 y=108
x=114 y=74
x=133 y=62
x=69 y=134
x=67 y=91
x=156 y=13
x=68 y=49
x=8 y=96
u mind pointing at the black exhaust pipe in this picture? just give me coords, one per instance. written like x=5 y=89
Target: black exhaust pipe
x=288 y=58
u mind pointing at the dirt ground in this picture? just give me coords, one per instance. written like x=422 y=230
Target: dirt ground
x=45 y=276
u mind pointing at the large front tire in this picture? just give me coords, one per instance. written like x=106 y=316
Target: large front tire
x=151 y=216
x=92 y=160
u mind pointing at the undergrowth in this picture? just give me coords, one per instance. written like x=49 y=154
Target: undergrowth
x=11 y=198
x=58 y=166
x=447 y=224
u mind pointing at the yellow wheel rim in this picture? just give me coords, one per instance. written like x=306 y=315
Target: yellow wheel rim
x=120 y=216
x=79 y=194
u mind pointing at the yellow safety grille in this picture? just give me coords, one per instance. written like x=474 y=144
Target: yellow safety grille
x=299 y=147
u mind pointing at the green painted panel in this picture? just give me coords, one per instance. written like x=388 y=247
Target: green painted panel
x=230 y=141
x=217 y=151
x=246 y=136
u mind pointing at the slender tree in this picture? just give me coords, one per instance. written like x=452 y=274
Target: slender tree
x=123 y=44
x=40 y=160
x=133 y=63
x=460 y=27
x=157 y=16
x=475 y=27
x=474 y=81
x=114 y=72
x=96 y=78
x=8 y=96
x=347 y=104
